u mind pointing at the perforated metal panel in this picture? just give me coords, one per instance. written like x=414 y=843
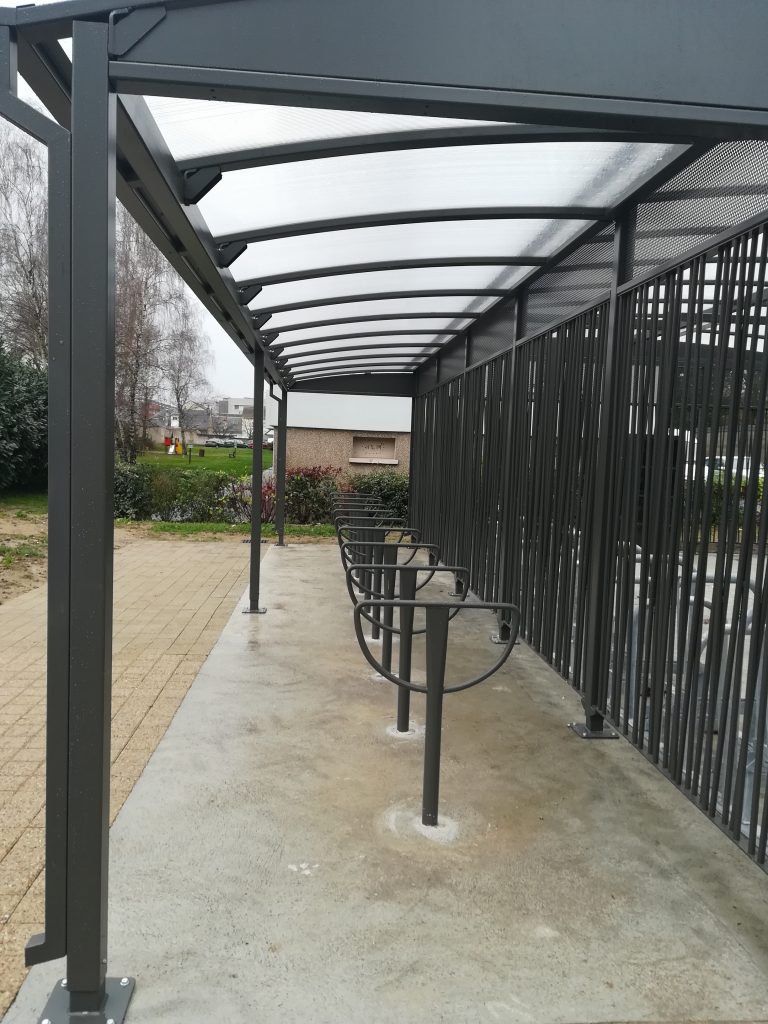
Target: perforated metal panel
x=581 y=278
x=723 y=188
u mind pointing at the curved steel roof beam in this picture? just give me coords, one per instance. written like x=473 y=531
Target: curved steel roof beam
x=364 y=334
x=432 y=293
x=361 y=367
x=365 y=268
x=427 y=350
x=396 y=217
x=444 y=315
x=430 y=138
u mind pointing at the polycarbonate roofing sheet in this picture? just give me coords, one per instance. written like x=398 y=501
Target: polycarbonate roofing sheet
x=373 y=307
x=470 y=238
x=374 y=343
x=313 y=358
x=371 y=327
x=204 y=128
x=455 y=177
x=421 y=279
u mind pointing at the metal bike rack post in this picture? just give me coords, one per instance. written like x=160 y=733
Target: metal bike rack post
x=437 y=648
x=388 y=557
x=407 y=593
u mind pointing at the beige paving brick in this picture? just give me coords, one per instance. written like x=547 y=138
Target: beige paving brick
x=171 y=601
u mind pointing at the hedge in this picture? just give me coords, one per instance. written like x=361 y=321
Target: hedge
x=387 y=485
x=23 y=424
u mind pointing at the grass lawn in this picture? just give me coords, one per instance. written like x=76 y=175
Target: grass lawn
x=267 y=529
x=23 y=503
x=215 y=459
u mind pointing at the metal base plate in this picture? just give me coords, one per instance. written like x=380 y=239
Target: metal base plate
x=119 y=992
x=254 y=611
x=586 y=734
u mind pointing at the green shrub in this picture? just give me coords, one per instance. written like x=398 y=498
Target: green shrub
x=132 y=494
x=387 y=485
x=23 y=424
x=308 y=493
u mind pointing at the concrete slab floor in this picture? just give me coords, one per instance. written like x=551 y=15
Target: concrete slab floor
x=265 y=867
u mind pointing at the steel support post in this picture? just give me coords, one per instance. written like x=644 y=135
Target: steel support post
x=437 y=644
x=255 y=569
x=407 y=593
x=52 y=943
x=87 y=995
x=280 y=464
x=596 y=659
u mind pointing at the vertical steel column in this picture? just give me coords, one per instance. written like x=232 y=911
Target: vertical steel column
x=282 y=434
x=596 y=658
x=52 y=943
x=255 y=575
x=92 y=471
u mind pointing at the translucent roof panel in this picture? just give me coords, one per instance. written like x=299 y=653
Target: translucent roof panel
x=201 y=127
x=411 y=342
x=467 y=279
x=458 y=177
x=373 y=307
x=473 y=238
x=377 y=364
x=371 y=327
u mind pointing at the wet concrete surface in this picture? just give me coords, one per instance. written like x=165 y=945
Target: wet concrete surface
x=267 y=866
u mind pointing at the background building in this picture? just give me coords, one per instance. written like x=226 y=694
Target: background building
x=351 y=433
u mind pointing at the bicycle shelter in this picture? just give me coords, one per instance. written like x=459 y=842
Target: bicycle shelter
x=546 y=224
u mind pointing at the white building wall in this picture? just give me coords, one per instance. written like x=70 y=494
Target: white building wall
x=346 y=412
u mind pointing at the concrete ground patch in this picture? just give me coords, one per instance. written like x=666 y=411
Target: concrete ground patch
x=254 y=877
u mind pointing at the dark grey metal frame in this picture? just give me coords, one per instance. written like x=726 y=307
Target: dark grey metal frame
x=499 y=66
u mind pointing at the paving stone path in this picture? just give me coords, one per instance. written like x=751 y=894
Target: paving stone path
x=172 y=599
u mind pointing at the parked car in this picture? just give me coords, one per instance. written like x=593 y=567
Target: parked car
x=212 y=442
x=268 y=439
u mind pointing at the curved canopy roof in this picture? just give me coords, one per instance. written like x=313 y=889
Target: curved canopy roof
x=366 y=241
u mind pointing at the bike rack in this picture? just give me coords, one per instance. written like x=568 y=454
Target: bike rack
x=438 y=615
x=372 y=567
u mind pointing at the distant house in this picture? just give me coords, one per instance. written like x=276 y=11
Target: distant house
x=351 y=433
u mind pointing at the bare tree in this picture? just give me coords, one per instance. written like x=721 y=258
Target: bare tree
x=23 y=246
x=183 y=361
x=149 y=297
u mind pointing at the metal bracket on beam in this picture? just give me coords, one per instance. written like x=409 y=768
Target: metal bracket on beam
x=229 y=252
x=248 y=293
x=118 y=992
x=259 y=319
x=126 y=31
x=199 y=183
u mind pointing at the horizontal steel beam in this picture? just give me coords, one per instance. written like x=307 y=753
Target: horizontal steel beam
x=390 y=384
x=434 y=138
x=398 y=217
x=433 y=293
x=375 y=267
x=711 y=121
x=455 y=315
x=362 y=334
x=290 y=359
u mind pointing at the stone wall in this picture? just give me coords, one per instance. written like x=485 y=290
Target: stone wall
x=314 y=446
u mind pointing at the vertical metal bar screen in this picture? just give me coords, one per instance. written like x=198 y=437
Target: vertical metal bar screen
x=505 y=481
